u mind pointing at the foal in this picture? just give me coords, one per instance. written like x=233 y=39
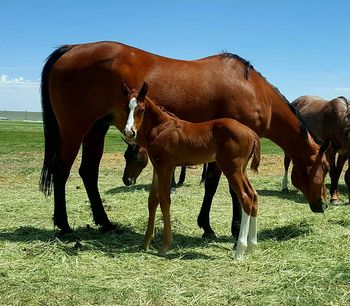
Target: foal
x=172 y=142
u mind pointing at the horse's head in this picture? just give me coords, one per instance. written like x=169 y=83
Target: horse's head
x=136 y=159
x=136 y=110
x=309 y=179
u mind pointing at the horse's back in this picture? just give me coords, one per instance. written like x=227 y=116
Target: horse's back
x=323 y=117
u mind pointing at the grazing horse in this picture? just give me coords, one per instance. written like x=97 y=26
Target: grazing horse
x=136 y=159
x=327 y=120
x=172 y=142
x=81 y=98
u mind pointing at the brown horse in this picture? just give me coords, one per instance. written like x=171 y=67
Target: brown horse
x=326 y=119
x=81 y=97
x=172 y=142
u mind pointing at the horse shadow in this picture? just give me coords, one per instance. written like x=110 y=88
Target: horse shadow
x=112 y=244
x=123 y=189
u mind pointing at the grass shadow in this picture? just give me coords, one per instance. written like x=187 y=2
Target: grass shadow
x=123 y=189
x=292 y=195
x=285 y=233
x=111 y=244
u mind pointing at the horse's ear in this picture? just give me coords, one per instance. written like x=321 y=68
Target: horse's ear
x=143 y=92
x=125 y=89
x=325 y=145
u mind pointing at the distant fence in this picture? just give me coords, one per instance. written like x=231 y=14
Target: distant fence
x=14 y=115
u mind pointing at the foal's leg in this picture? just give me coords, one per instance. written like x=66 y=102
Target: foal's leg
x=253 y=235
x=211 y=184
x=287 y=161
x=164 y=175
x=153 y=201
x=92 y=153
x=236 y=215
x=246 y=196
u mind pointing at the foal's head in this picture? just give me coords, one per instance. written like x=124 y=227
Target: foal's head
x=136 y=109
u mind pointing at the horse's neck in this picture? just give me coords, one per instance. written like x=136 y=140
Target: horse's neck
x=286 y=131
x=153 y=118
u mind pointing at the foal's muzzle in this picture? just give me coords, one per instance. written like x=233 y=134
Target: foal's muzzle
x=129 y=134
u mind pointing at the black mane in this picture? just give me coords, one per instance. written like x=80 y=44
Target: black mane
x=246 y=63
x=248 y=67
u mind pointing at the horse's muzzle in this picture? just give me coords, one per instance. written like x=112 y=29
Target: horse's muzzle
x=319 y=207
x=129 y=181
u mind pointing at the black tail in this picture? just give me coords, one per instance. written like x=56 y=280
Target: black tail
x=51 y=131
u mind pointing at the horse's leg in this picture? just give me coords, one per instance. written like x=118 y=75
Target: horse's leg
x=69 y=147
x=182 y=177
x=92 y=153
x=334 y=175
x=286 y=162
x=211 y=184
x=236 y=215
x=204 y=173
x=164 y=175
x=153 y=200
x=173 y=183
x=347 y=179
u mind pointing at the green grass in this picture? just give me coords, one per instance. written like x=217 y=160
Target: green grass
x=302 y=258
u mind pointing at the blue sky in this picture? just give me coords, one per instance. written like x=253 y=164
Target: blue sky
x=302 y=47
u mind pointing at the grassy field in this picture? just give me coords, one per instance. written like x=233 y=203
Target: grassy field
x=302 y=258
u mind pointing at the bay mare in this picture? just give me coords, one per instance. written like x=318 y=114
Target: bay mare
x=327 y=119
x=81 y=98
x=172 y=142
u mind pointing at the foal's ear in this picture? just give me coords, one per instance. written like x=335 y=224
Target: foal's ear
x=143 y=92
x=125 y=89
x=325 y=145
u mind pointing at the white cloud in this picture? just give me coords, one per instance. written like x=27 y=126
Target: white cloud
x=342 y=88
x=19 y=94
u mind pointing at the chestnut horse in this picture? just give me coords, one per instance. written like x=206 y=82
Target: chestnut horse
x=326 y=119
x=81 y=98
x=172 y=142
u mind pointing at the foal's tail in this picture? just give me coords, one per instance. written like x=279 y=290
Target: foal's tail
x=255 y=154
x=51 y=130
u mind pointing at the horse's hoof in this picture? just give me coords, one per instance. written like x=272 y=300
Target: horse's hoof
x=210 y=235
x=64 y=232
x=335 y=202
x=173 y=189
x=161 y=253
x=109 y=227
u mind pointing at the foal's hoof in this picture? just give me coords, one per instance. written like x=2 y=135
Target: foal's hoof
x=210 y=235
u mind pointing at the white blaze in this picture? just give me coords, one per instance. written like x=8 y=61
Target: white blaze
x=130 y=122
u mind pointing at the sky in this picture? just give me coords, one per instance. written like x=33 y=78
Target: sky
x=300 y=46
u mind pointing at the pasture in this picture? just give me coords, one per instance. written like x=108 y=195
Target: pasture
x=302 y=258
